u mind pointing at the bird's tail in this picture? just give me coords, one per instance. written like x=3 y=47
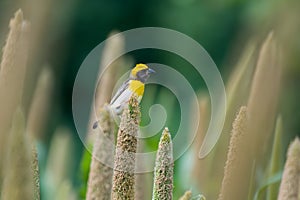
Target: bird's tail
x=95 y=125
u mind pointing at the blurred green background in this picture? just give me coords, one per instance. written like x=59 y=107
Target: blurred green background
x=70 y=29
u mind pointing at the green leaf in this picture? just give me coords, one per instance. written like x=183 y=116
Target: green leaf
x=270 y=181
x=276 y=162
x=84 y=171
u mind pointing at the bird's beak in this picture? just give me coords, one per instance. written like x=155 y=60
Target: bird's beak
x=151 y=71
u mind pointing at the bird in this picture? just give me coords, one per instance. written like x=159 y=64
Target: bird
x=135 y=84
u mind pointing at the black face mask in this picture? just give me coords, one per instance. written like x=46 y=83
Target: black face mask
x=143 y=75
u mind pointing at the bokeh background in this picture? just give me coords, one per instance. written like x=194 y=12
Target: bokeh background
x=65 y=32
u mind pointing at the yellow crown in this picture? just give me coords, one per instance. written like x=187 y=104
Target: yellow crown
x=137 y=68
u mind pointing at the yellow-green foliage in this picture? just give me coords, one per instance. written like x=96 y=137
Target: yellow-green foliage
x=255 y=84
x=237 y=92
x=40 y=104
x=143 y=181
x=276 y=159
x=18 y=175
x=263 y=99
x=163 y=171
x=12 y=75
x=124 y=164
x=236 y=156
x=100 y=176
x=108 y=78
x=35 y=170
x=59 y=161
x=261 y=113
x=289 y=187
